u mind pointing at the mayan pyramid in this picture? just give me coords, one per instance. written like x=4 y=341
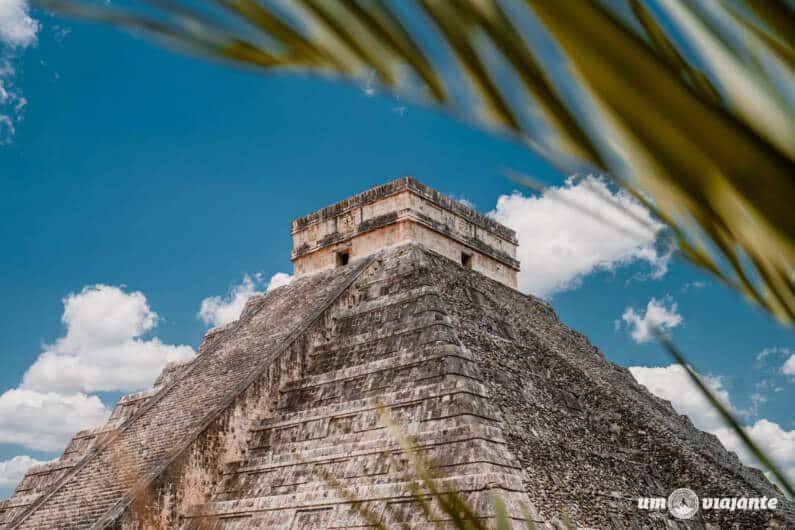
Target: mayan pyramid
x=406 y=299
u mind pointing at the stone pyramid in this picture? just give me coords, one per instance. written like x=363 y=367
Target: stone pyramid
x=403 y=299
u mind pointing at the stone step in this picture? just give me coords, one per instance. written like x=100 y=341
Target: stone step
x=380 y=343
x=391 y=280
x=453 y=398
x=400 y=398
x=360 y=440
x=430 y=365
x=373 y=312
x=403 y=357
x=423 y=435
x=19 y=500
x=308 y=479
x=291 y=521
x=505 y=484
x=265 y=332
x=463 y=445
x=384 y=302
x=441 y=413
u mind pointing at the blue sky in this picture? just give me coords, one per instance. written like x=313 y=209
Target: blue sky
x=154 y=173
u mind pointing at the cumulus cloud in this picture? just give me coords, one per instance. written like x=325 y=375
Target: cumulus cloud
x=279 y=279
x=104 y=348
x=12 y=102
x=17 y=31
x=46 y=420
x=789 y=366
x=772 y=439
x=220 y=310
x=773 y=352
x=767 y=356
x=17 y=28
x=673 y=384
x=576 y=229
x=659 y=314
x=11 y=471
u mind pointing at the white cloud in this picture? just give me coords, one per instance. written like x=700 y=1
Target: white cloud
x=658 y=315
x=463 y=200
x=220 y=310
x=775 y=442
x=279 y=279
x=693 y=285
x=673 y=384
x=103 y=349
x=7 y=129
x=575 y=230
x=773 y=352
x=12 y=471
x=757 y=399
x=12 y=102
x=17 y=28
x=17 y=31
x=45 y=421
x=789 y=366
x=768 y=385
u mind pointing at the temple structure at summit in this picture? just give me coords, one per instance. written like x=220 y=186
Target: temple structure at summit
x=403 y=301
x=400 y=212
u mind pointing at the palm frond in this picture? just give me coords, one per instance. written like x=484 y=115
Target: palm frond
x=707 y=138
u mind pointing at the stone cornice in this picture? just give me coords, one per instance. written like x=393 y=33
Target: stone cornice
x=398 y=186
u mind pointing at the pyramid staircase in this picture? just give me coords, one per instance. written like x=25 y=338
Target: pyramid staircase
x=395 y=353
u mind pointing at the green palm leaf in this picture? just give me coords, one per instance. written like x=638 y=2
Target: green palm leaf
x=708 y=141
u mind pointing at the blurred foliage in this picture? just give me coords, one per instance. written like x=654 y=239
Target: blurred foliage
x=688 y=105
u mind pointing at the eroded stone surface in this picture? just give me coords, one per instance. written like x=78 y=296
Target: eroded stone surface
x=192 y=411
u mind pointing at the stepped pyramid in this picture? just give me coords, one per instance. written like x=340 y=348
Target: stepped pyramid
x=406 y=299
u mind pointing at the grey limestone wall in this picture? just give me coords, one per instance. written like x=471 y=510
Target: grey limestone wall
x=591 y=440
x=386 y=342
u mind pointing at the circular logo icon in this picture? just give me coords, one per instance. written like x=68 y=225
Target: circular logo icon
x=683 y=503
